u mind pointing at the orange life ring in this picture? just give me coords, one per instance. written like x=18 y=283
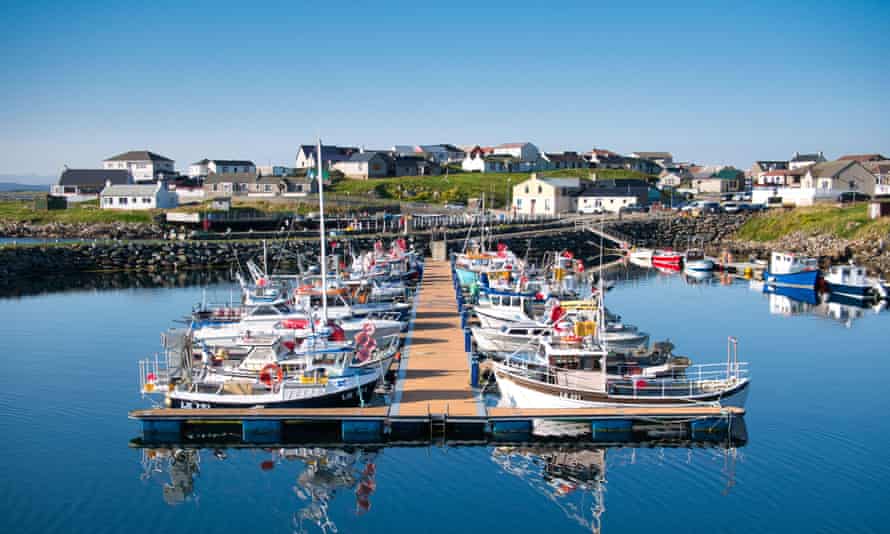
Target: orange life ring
x=267 y=378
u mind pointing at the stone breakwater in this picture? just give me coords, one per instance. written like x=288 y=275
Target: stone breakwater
x=59 y=230
x=176 y=256
x=678 y=232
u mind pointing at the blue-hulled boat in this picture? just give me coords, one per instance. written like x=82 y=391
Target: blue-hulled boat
x=790 y=270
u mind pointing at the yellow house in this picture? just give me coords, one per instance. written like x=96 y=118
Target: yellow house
x=545 y=196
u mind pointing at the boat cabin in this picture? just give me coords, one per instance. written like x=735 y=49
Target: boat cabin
x=788 y=263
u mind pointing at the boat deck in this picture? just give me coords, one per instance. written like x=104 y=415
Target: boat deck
x=432 y=389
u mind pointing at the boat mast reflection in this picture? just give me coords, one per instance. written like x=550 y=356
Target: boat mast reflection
x=325 y=473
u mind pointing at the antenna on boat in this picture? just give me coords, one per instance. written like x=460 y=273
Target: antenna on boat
x=265 y=260
x=324 y=261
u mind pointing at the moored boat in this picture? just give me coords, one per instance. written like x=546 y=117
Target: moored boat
x=791 y=270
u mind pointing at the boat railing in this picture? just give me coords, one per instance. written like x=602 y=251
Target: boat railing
x=696 y=380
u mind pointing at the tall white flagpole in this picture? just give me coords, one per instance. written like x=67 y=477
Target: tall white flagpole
x=324 y=259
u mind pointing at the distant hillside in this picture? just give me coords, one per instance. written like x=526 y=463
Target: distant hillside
x=12 y=186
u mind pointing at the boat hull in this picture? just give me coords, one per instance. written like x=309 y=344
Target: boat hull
x=798 y=279
x=699 y=265
x=859 y=292
x=345 y=397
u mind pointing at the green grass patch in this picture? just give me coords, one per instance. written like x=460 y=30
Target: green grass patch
x=458 y=187
x=846 y=222
x=85 y=212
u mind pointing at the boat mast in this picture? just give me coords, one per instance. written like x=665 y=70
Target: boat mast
x=324 y=261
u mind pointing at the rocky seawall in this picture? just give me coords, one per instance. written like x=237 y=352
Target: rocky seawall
x=60 y=230
x=34 y=261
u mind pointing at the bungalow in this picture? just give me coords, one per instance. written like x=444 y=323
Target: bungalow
x=565 y=160
x=137 y=196
x=330 y=154
x=545 y=196
x=662 y=159
x=220 y=166
x=830 y=179
x=604 y=159
x=611 y=195
x=712 y=179
x=643 y=165
x=143 y=165
x=365 y=165
x=805 y=160
x=757 y=172
x=228 y=184
x=416 y=165
x=86 y=184
x=524 y=152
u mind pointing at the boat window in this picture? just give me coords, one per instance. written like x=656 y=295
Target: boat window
x=265 y=310
x=514 y=301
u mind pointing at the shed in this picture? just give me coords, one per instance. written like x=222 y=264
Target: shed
x=879 y=208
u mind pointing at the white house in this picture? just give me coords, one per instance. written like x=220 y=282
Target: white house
x=524 y=152
x=545 y=196
x=137 y=197
x=143 y=165
x=441 y=154
x=881 y=171
x=204 y=167
x=330 y=154
x=611 y=195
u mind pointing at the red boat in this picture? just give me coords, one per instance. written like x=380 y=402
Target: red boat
x=667 y=259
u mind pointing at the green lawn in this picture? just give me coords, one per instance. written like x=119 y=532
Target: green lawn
x=86 y=212
x=458 y=187
x=847 y=222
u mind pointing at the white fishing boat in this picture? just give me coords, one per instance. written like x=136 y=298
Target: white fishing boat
x=551 y=386
x=696 y=261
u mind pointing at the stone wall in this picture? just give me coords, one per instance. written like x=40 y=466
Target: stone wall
x=678 y=231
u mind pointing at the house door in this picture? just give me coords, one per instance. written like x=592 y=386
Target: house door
x=533 y=207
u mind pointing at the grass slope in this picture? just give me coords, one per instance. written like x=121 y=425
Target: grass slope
x=86 y=212
x=458 y=187
x=846 y=222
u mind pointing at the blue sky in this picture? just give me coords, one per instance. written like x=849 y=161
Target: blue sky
x=712 y=82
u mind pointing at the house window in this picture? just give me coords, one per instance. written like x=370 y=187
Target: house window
x=215 y=188
x=146 y=200
x=852 y=184
x=540 y=190
x=267 y=188
x=518 y=202
x=546 y=204
x=122 y=201
x=526 y=190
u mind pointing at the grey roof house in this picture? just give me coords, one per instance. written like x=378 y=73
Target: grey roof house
x=88 y=182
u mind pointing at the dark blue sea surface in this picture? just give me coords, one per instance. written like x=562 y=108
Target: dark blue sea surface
x=815 y=460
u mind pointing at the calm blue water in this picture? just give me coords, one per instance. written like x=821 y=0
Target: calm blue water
x=815 y=460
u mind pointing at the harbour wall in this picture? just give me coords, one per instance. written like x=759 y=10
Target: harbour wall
x=17 y=262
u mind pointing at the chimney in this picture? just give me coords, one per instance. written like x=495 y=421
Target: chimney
x=361 y=149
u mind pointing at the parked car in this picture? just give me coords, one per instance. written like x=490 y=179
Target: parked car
x=733 y=207
x=756 y=207
x=634 y=208
x=852 y=196
x=588 y=210
x=727 y=196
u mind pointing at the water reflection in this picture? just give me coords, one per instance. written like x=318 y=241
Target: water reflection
x=325 y=473
x=60 y=283
x=569 y=470
x=790 y=301
x=573 y=476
